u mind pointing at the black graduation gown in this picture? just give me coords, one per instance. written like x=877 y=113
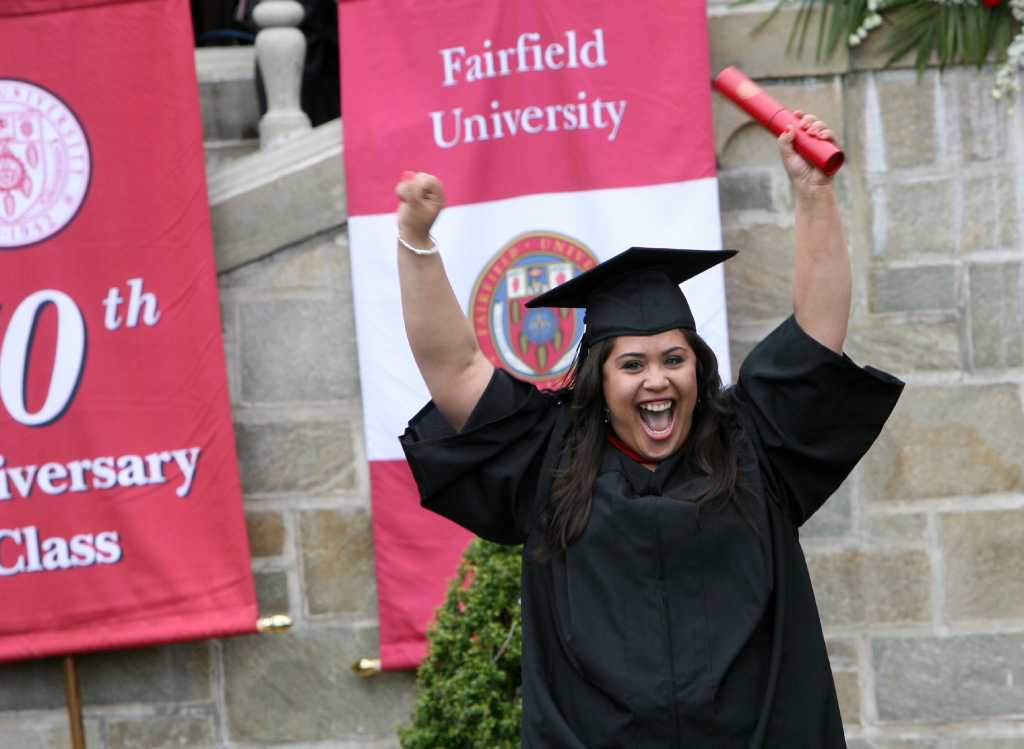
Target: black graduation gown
x=669 y=623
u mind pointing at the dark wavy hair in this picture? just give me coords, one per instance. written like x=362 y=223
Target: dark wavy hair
x=709 y=447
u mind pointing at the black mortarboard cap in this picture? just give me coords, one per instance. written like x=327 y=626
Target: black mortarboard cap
x=634 y=293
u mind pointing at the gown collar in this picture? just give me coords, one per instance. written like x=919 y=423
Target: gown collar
x=628 y=451
x=642 y=479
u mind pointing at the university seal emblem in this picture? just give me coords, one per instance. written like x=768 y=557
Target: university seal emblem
x=536 y=345
x=45 y=164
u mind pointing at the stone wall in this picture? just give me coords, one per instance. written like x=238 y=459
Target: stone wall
x=916 y=561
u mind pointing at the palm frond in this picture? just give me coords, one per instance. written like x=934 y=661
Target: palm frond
x=947 y=33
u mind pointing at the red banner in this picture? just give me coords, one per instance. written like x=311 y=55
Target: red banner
x=564 y=133
x=120 y=505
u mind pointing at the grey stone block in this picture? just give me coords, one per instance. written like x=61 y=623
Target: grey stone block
x=221 y=153
x=918 y=219
x=900 y=347
x=842 y=654
x=741 y=142
x=985 y=126
x=32 y=685
x=745 y=192
x=997 y=315
x=758 y=281
x=300 y=687
x=338 y=562
x=983 y=556
x=266 y=533
x=229 y=328
x=168 y=673
x=175 y=731
x=297 y=350
x=907 y=106
x=838 y=586
x=848 y=692
x=898 y=531
x=913 y=289
x=990 y=213
x=313 y=265
x=856 y=588
x=833 y=519
x=944 y=680
x=227 y=93
x=46 y=733
x=874 y=54
x=230 y=110
x=898 y=588
x=949 y=441
x=765 y=54
x=309 y=457
x=272 y=593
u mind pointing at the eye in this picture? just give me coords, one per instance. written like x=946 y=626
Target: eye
x=632 y=365
x=674 y=360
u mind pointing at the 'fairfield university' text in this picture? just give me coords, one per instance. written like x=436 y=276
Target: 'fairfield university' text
x=22 y=549
x=454 y=128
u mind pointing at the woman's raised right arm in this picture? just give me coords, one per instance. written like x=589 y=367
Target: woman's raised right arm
x=441 y=338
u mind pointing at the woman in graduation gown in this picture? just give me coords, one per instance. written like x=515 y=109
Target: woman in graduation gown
x=666 y=601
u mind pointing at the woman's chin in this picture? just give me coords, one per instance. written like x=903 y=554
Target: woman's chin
x=659 y=451
x=658 y=445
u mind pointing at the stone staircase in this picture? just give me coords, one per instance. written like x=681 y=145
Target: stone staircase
x=262 y=200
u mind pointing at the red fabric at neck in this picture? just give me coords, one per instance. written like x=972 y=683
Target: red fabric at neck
x=624 y=448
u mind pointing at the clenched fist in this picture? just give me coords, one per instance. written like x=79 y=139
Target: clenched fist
x=421 y=198
x=802 y=174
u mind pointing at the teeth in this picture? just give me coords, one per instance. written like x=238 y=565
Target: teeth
x=655 y=407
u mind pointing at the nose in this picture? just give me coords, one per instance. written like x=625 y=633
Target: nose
x=656 y=379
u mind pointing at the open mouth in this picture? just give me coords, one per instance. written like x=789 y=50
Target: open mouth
x=658 y=418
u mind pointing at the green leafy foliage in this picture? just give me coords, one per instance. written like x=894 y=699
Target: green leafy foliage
x=469 y=686
x=944 y=32
x=957 y=33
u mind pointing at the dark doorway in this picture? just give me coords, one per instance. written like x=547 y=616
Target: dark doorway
x=219 y=23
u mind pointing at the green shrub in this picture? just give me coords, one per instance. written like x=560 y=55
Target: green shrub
x=468 y=688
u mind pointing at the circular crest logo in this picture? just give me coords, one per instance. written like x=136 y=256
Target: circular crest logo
x=536 y=345
x=45 y=164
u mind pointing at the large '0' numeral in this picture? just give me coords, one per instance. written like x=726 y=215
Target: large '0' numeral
x=67 y=364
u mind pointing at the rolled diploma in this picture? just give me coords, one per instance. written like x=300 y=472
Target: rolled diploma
x=736 y=86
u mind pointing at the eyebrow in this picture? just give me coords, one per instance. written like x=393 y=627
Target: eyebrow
x=644 y=356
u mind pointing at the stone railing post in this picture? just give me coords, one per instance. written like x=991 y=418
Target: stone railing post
x=281 y=55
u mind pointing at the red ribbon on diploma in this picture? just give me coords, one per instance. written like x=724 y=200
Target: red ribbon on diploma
x=736 y=86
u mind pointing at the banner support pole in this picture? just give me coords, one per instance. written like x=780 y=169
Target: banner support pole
x=73 y=694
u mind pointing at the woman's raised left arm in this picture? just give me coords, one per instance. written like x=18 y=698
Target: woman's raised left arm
x=822 y=279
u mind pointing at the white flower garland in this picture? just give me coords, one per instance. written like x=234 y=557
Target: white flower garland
x=1007 y=80
x=871 y=21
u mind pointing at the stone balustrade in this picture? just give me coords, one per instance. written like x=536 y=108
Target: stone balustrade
x=281 y=54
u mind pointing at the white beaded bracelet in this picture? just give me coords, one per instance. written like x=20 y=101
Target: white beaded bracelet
x=432 y=250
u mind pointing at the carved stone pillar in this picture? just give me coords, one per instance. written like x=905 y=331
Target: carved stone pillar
x=281 y=55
